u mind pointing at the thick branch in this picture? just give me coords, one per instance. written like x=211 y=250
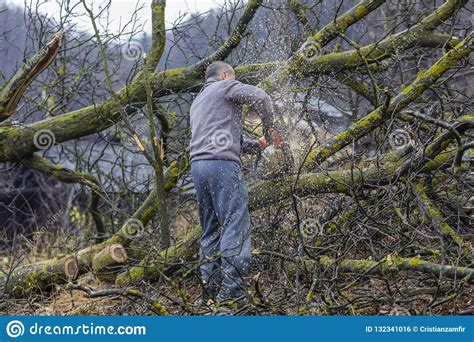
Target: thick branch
x=439 y=223
x=299 y=10
x=106 y=263
x=377 y=52
x=392 y=265
x=14 y=90
x=315 y=43
x=61 y=173
x=233 y=41
x=373 y=120
x=158 y=32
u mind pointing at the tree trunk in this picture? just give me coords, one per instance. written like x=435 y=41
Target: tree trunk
x=109 y=261
x=39 y=276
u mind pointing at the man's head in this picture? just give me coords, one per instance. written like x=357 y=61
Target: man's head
x=220 y=70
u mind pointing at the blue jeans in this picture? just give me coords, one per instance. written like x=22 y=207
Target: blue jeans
x=225 y=241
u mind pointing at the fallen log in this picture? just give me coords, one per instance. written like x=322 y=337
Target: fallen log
x=130 y=231
x=391 y=265
x=43 y=275
x=109 y=261
x=39 y=276
x=185 y=250
x=387 y=266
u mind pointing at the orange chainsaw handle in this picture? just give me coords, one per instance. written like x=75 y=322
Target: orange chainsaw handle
x=277 y=138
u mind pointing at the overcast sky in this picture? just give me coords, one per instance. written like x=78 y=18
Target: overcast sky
x=121 y=9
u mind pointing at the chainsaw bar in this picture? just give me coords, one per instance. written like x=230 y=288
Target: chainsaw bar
x=273 y=162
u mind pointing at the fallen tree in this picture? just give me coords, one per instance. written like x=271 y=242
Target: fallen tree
x=40 y=276
x=122 y=257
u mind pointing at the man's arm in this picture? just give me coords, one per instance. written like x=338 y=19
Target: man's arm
x=250 y=146
x=240 y=93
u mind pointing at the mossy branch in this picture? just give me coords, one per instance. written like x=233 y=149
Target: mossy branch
x=314 y=44
x=233 y=41
x=439 y=222
x=373 y=120
x=66 y=175
x=300 y=13
x=391 y=265
x=158 y=32
x=377 y=52
x=16 y=87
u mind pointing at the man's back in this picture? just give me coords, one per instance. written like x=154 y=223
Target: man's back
x=216 y=118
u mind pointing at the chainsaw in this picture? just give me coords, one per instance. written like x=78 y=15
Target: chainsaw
x=273 y=162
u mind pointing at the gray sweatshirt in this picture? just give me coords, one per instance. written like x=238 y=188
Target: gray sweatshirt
x=216 y=119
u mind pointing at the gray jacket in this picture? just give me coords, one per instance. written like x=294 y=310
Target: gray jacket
x=216 y=119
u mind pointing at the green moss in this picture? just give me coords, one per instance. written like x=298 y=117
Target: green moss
x=409 y=262
x=344 y=23
x=176 y=73
x=32 y=279
x=130 y=276
x=436 y=217
x=253 y=3
x=158 y=12
x=343 y=219
x=407 y=89
x=150 y=212
x=360 y=11
x=161 y=309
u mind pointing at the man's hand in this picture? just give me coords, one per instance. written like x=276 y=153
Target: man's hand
x=277 y=139
x=263 y=143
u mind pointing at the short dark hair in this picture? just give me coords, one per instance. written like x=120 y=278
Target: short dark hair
x=215 y=68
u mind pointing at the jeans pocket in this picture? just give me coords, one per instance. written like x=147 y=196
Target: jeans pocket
x=237 y=173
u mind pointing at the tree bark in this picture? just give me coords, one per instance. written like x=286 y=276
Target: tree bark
x=40 y=276
x=109 y=261
x=15 y=88
x=392 y=265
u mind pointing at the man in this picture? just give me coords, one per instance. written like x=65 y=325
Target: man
x=216 y=144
